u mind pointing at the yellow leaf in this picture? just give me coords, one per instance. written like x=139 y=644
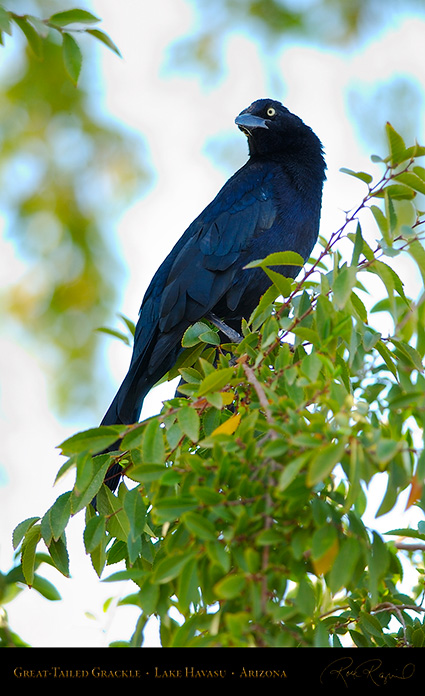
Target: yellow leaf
x=229 y=426
x=324 y=563
x=415 y=492
x=227 y=397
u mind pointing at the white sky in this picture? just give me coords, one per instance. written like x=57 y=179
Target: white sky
x=176 y=115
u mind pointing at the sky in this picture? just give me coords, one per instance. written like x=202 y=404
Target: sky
x=187 y=123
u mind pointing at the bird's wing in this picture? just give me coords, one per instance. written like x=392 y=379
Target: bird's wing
x=204 y=267
x=256 y=212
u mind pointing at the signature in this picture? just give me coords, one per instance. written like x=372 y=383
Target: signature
x=345 y=670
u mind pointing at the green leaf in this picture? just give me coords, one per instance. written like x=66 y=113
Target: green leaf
x=218 y=554
x=321 y=636
x=269 y=537
x=386 y=449
x=396 y=191
x=370 y=339
x=189 y=422
x=59 y=555
x=263 y=306
x=134 y=437
x=279 y=258
x=207 y=496
x=93 y=440
x=418 y=638
x=387 y=356
x=311 y=366
x=408 y=354
x=359 y=640
x=359 y=307
x=134 y=574
x=417 y=252
x=390 y=498
x=170 y=567
x=306 y=334
x=229 y=587
x=105 y=39
x=378 y=564
x=29 y=546
x=396 y=145
x=80 y=499
x=196 y=333
x=363 y=176
x=188 y=592
x=391 y=216
x=216 y=380
x=98 y=556
x=5 y=21
x=77 y=16
x=322 y=540
x=292 y=470
x=380 y=219
x=199 y=526
x=324 y=461
x=136 y=511
x=85 y=471
x=72 y=57
x=419 y=171
x=305 y=599
x=33 y=38
x=147 y=472
x=116 y=334
x=211 y=337
x=275 y=448
x=168 y=509
x=46 y=589
x=41 y=28
x=406 y=532
x=189 y=374
x=131 y=326
x=344 y=564
x=358 y=242
x=414 y=151
x=59 y=514
x=283 y=284
x=153 y=447
x=21 y=529
x=389 y=278
x=111 y=507
x=187 y=358
x=94 y=532
x=370 y=625
x=412 y=180
x=343 y=285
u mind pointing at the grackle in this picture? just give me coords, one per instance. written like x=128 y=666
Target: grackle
x=271 y=204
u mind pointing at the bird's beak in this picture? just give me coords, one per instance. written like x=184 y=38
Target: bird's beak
x=248 y=122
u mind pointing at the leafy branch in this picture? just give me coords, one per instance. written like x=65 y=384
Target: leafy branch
x=67 y=24
x=242 y=501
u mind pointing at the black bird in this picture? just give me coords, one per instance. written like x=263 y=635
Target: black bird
x=271 y=204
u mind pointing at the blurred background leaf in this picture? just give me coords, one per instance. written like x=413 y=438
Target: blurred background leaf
x=66 y=173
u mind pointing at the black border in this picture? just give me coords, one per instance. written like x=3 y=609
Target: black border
x=321 y=668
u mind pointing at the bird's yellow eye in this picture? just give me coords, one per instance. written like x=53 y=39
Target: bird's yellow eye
x=271 y=111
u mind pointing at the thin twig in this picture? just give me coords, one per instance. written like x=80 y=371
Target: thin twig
x=231 y=334
x=402 y=546
x=252 y=379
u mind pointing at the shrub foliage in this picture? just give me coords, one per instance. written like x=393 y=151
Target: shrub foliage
x=239 y=517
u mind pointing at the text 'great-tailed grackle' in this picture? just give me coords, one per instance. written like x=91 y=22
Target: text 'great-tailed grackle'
x=271 y=204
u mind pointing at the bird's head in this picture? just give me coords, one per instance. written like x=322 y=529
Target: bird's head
x=272 y=129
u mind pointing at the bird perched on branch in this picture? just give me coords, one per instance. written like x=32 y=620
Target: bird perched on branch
x=271 y=204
